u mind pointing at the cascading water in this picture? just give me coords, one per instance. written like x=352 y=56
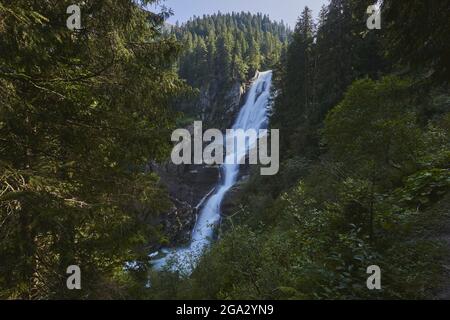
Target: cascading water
x=253 y=115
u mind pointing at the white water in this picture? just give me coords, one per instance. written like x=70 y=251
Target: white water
x=253 y=115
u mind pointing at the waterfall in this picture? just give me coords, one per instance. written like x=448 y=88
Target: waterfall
x=253 y=115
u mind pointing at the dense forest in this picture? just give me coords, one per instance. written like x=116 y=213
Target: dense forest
x=229 y=46
x=364 y=120
x=221 y=51
x=364 y=117
x=81 y=113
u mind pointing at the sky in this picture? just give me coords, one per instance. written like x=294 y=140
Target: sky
x=286 y=10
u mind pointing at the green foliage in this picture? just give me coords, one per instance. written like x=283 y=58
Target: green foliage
x=364 y=178
x=322 y=60
x=81 y=114
x=364 y=174
x=361 y=205
x=417 y=36
x=373 y=130
x=235 y=46
x=423 y=188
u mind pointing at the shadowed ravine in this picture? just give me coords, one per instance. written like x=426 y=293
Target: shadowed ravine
x=253 y=115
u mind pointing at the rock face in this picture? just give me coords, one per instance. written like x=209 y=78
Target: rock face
x=233 y=101
x=187 y=185
x=179 y=221
x=233 y=197
x=219 y=107
x=231 y=201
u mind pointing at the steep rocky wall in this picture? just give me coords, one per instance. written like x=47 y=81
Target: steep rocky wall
x=219 y=109
x=218 y=105
x=188 y=184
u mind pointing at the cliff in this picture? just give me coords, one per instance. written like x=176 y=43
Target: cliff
x=219 y=107
x=188 y=184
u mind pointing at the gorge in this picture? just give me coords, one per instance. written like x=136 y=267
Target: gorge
x=253 y=115
x=87 y=182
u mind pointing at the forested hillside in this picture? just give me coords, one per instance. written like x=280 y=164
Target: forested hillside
x=229 y=46
x=365 y=174
x=221 y=53
x=86 y=118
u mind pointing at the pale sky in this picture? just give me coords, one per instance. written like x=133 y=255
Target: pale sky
x=287 y=10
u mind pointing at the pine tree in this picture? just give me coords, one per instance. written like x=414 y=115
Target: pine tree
x=81 y=115
x=238 y=44
x=295 y=100
x=417 y=34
